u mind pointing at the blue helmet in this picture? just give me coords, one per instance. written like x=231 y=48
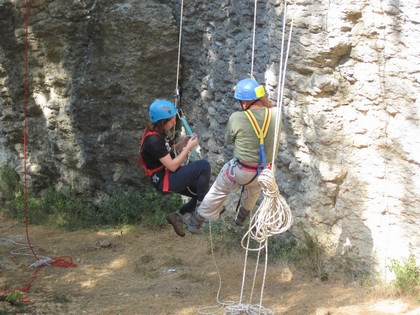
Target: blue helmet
x=161 y=109
x=248 y=90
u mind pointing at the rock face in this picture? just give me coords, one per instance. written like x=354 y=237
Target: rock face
x=93 y=70
x=349 y=161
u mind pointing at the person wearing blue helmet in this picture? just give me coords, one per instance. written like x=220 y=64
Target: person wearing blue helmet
x=163 y=162
x=251 y=132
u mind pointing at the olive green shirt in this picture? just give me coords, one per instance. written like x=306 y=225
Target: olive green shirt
x=246 y=145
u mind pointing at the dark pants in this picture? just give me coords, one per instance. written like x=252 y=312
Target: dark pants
x=190 y=180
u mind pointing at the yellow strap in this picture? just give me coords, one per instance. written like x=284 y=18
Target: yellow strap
x=260 y=132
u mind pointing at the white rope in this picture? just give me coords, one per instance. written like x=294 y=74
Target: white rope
x=17 y=252
x=179 y=49
x=229 y=307
x=253 y=39
x=221 y=305
x=281 y=80
x=273 y=216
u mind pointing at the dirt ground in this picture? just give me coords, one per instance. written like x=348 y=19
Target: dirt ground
x=138 y=271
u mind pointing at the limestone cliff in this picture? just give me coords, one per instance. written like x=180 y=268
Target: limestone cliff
x=349 y=161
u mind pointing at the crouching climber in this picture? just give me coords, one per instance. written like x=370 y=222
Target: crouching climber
x=251 y=131
x=163 y=162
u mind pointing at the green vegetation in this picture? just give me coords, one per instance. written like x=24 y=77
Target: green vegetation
x=16 y=298
x=407 y=275
x=64 y=208
x=9 y=182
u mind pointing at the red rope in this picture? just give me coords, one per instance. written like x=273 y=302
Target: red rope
x=61 y=261
x=25 y=101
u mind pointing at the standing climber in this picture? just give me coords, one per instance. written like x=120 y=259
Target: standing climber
x=163 y=162
x=251 y=131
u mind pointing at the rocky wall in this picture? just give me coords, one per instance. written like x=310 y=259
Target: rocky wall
x=349 y=160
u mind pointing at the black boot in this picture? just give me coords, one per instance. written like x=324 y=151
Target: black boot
x=241 y=216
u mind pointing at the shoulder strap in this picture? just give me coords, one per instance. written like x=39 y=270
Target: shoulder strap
x=260 y=132
x=145 y=134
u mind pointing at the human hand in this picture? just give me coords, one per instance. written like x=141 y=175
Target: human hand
x=182 y=143
x=192 y=142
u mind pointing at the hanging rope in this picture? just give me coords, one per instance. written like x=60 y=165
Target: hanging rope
x=41 y=261
x=177 y=94
x=253 y=39
x=273 y=216
x=195 y=152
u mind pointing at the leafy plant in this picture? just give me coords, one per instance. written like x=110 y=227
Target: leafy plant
x=16 y=298
x=9 y=182
x=407 y=274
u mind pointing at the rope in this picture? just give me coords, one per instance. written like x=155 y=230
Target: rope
x=253 y=39
x=281 y=80
x=273 y=216
x=229 y=306
x=177 y=95
x=41 y=261
x=221 y=305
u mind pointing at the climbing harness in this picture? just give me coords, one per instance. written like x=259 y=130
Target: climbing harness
x=261 y=134
x=150 y=172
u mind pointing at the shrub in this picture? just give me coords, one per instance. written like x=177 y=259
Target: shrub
x=407 y=275
x=9 y=182
x=149 y=208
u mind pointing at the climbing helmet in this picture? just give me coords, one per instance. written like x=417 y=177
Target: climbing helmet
x=248 y=90
x=161 y=109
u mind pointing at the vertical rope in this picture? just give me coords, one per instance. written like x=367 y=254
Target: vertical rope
x=281 y=81
x=253 y=39
x=179 y=51
x=25 y=126
x=62 y=261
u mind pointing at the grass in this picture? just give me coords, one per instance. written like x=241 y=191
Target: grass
x=64 y=208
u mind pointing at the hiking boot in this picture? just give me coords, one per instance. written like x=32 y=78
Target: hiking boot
x=175 y=219
x=241 y=216
x=195 y=222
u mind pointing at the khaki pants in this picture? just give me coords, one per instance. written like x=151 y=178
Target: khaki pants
x=230 y=178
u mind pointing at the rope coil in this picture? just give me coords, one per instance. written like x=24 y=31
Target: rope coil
x=273 y=216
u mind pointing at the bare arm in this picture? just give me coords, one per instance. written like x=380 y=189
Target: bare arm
x=173 y=164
